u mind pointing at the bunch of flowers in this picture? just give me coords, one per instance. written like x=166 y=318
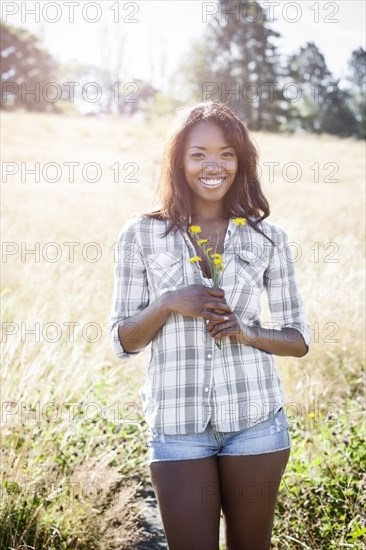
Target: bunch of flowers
x=214 y=259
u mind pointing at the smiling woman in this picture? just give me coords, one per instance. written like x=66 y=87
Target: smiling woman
x=215 y=414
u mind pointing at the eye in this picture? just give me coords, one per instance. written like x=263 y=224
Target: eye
x=195 y=154
x=228 y=153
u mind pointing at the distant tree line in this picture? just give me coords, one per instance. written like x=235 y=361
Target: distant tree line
x=236 y=61
x=32 y=79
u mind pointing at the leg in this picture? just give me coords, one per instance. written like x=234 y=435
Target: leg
x=249 y=486
x=188 y=494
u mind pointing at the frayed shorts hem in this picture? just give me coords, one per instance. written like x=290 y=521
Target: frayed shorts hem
x=269 y=436
x=221 y=454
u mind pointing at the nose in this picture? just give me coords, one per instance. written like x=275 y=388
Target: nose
x=212 y=167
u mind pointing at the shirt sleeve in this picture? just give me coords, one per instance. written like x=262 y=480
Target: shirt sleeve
x=130 y=293
x=284 y=299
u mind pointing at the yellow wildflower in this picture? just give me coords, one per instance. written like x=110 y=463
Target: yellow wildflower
x=239 y=221
x=215 y=263
x=195 y=229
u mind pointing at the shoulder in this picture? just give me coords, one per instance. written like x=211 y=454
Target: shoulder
x=143 y=231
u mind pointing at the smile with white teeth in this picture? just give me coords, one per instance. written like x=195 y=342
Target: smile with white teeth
x=212 y=182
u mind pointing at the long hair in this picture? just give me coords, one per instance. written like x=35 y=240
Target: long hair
x=244 y=198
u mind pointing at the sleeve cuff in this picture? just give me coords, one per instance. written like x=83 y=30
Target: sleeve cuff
x=117 y=346
x=304 y=330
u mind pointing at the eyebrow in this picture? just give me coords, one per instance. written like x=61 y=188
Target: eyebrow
x=204 y=148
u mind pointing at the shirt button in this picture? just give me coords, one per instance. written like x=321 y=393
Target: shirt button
x=209 y=355
x=206 y=390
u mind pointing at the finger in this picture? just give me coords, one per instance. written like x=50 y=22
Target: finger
x=223 y=312
x=222 y=329
x=215 y=291
x=213 y=324
x=215 y=318
x=218 y=300
x=217 y=306
x=211 y=313
x=219 y=327
x=224 y=316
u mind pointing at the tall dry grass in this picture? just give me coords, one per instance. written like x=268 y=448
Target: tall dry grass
x=321 y=217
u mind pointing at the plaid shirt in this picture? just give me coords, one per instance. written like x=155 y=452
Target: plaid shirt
x=189 y=380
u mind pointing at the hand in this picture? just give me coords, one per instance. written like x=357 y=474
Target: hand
x=199 y=301
x=233 y=327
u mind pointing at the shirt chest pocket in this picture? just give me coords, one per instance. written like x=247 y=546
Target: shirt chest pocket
x=166 y=269
x=250 y=267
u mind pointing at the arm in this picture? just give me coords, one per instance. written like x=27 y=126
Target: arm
x=136 y=332
x=133 y=320
x=286 y=306
x=285 y=342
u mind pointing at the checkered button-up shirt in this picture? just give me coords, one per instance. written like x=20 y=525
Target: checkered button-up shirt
x=189 y=380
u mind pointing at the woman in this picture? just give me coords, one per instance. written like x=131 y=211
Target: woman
x=218 y=433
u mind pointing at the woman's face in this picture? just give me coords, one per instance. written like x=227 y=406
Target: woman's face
x=210 y=163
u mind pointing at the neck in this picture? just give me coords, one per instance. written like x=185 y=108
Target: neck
x=207 y=212
x=206 y=219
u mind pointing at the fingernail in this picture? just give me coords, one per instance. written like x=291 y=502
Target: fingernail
x=226 y=318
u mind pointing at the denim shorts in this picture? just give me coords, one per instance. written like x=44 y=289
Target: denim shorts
x=265 y=437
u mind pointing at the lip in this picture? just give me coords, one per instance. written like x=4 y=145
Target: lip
x=220 y=181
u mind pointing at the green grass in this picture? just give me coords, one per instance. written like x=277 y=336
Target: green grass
x=322 y=497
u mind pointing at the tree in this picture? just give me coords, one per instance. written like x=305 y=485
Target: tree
x=357 y=93
x=337 y=118
x=135 y=96
x=323 y=106
x=357 y=66
x=249 y=62
x=308 y=71
x=237 y=63
x=26 y=69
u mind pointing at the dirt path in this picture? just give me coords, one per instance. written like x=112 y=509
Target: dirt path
x=150 y=520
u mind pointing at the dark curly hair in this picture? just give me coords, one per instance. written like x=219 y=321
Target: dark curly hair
x=244 y=198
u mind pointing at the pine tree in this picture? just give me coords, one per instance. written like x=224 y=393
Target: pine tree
x=323 y=106
x=248 y=62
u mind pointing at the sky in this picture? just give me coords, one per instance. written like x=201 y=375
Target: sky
x=155 y=35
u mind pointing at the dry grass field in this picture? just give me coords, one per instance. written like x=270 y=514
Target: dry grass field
x=317 y=194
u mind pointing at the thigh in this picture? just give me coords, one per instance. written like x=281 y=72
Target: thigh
x=188 y=495
x=249 y=486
